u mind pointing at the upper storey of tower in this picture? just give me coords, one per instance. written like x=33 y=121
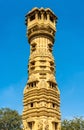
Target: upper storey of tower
x=41 y=22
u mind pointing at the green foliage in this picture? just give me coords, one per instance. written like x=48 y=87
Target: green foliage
x=10 y=119
x=74 y=124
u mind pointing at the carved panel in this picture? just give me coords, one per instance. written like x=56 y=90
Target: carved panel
x=40 y=125
x=46 y=125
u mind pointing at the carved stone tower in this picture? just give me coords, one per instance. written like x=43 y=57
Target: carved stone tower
x=41 y=93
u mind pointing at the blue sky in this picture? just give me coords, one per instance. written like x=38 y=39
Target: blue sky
x=68 y=53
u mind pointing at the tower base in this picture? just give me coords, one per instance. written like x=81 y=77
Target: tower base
x=41 y=123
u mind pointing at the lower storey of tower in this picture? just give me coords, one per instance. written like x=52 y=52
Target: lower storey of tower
x=41 y=123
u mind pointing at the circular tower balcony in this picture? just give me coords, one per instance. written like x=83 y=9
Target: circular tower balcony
x=41 y=22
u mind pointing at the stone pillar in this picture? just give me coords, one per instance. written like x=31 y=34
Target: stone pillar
x=41 y=94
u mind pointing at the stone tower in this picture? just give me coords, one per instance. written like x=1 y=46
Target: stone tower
x=41 y=93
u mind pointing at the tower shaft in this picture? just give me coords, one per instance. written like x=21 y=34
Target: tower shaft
x=41 y=93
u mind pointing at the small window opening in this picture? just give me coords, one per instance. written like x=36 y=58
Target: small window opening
x=42 y=73
x=32 y=104
x=33 y=63
x=56 y=124
x=43 y=66
x=51 y=19
x=52 y=69
x=32 y=84
x=32 y=17
x=42 y=77
x=32 y=68
x=50 y=47
x=52 y=63
x=30 y=125
x=53 y=105
x=52 y=85
x=33 y=47
x=42 y=60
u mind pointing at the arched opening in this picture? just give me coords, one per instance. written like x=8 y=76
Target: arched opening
x=32 y=17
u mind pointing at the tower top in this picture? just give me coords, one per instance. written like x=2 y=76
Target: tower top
x=41 y=21
x=47 y=10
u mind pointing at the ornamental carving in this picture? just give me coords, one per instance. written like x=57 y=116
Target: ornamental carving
x=43 y=84
x=43 y=124
x=46 y=125
x=40 y=126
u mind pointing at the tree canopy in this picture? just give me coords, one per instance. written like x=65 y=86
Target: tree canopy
x=76 y=123
x=10 y=119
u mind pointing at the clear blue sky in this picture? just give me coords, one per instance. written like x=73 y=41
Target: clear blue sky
x=68 y=52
